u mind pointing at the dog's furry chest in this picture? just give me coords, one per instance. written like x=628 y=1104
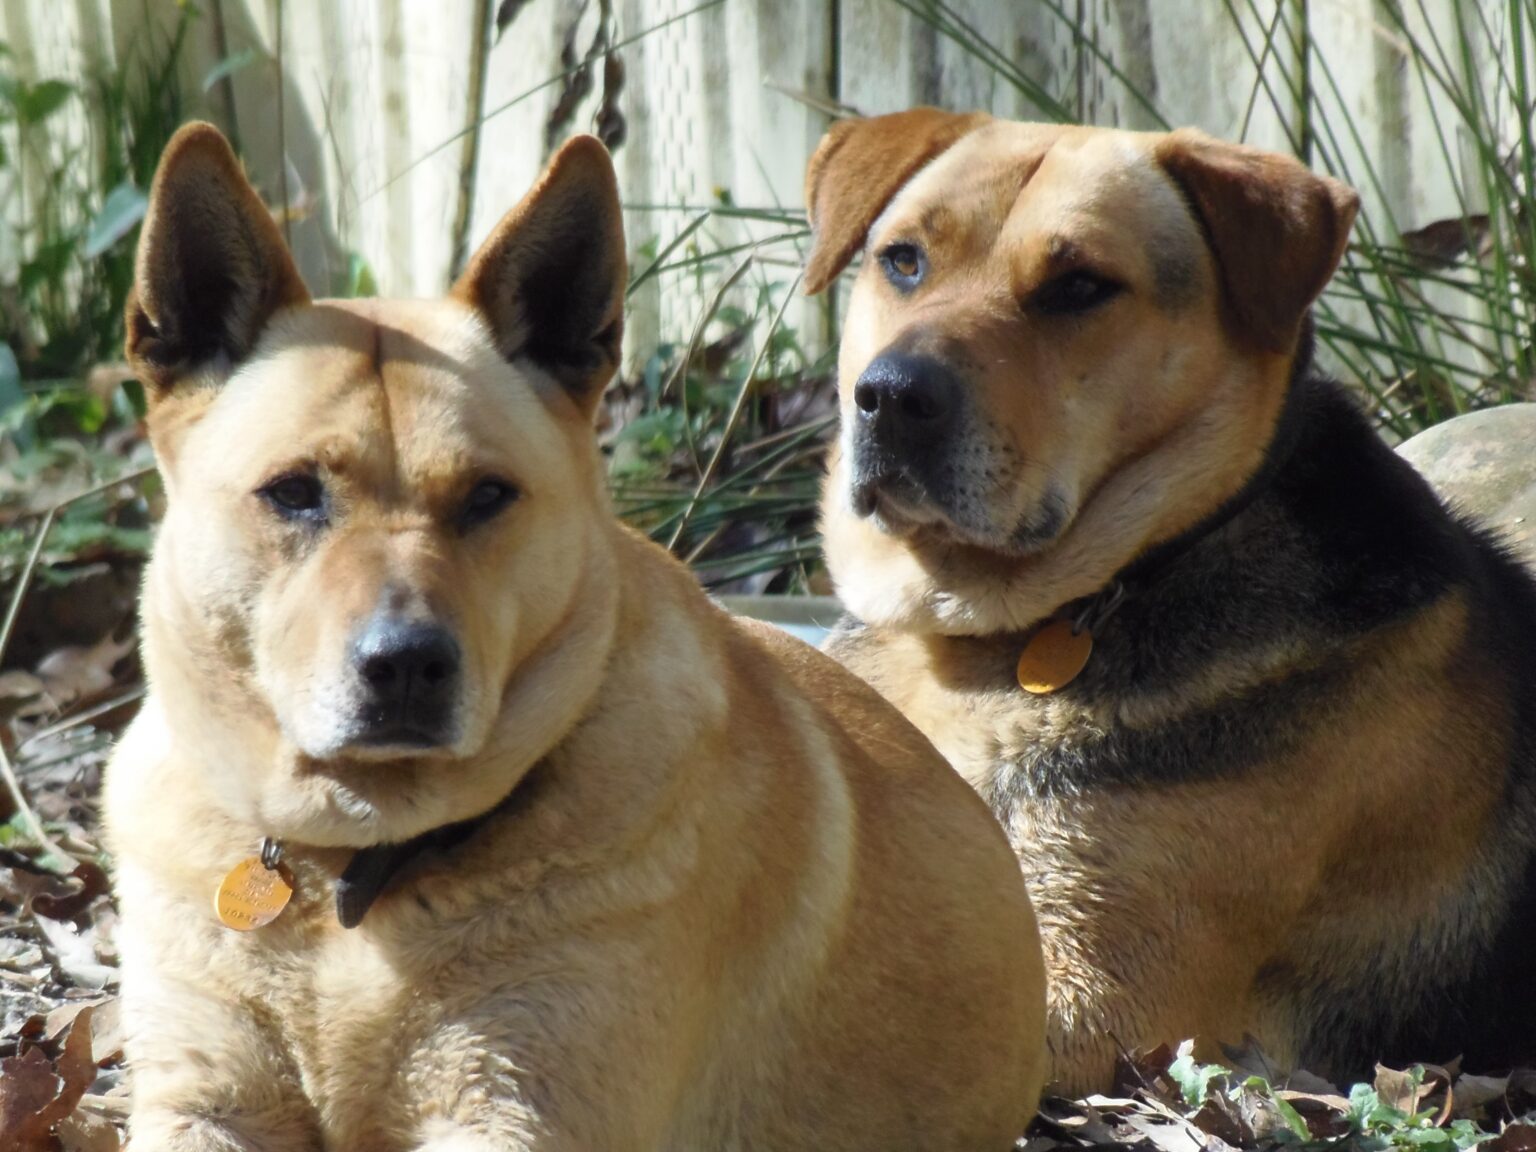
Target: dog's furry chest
x=381 y=1037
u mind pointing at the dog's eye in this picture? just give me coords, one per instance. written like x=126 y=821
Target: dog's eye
x=486 y=499
x=1074 y=293
x=297 y=494
x=904 y=265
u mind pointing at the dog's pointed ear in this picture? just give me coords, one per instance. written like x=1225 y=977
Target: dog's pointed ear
x=856 y=170
x=550 y=279
x=1277 y=229
x=211 y=267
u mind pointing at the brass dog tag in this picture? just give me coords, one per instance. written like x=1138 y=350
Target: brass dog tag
x=251 y=895
x=1053 y=657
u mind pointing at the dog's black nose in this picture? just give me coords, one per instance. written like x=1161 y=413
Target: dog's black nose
x=905 y=400
x=411 y=669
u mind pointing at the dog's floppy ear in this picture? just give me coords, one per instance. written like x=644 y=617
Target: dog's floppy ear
x=550 y=279
x=1277 y=229
x=856 y=169
x=211 y=267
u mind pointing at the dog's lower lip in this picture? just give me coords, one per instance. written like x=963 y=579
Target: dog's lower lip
x=401 y=736
x=866 y=497
x=883 y=494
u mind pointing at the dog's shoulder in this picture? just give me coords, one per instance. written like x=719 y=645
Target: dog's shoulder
x=848 y=700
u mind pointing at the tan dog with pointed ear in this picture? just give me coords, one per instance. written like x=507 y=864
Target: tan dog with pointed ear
x=571 y=859
x=1231 y=677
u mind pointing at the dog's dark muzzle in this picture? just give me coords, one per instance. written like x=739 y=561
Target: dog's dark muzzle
x=410 y=675
x=905 y=409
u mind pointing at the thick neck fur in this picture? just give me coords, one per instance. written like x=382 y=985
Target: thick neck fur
x=1315 y=562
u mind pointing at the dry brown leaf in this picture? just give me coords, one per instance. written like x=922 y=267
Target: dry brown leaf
x=1444 y=241
x=107 y=1031
x=28 y=1092
x=1220 y=1118
x=1142 y=1069
x=57 y=1021
x=1399 y=1090
x=21 y=694
x=114 y=1105
x=1084 y=1123
x=1260 y=1115
x=1305 y=1102
x=1169 y=1137
x=77 y=673
x=86 y=1132
x=20 y=886
x=1474 y=1093
x=93 y=883
x=36 y=1095
x=77 y=1064
x=104 y=1023
x=1302 y=1081
x=1515 y=1138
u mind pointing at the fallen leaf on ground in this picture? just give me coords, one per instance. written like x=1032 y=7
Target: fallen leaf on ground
x=78 y=673
x=37 y=1094
x=1515 y=1138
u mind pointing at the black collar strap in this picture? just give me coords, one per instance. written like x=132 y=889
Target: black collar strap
x=372 y=868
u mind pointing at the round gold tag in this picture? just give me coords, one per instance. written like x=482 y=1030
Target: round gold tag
x=1053 y=657
x=251 y=895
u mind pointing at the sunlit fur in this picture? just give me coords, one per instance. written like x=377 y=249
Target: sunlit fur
x=1291 y=795
x=402 y=413
x=723 y=897
x=1115 y=429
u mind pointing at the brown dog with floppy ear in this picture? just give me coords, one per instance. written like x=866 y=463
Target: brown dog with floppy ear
x=1157 y=589
x=458 y=819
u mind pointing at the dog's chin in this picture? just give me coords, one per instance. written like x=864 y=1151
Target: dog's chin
x=334 y=731
x=377 y=796
x=898 y=512
x=331 y=806
x=337 y=806
x=904 y=513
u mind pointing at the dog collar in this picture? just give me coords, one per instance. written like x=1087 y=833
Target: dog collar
x=1059 y=650
x=255 y=891
x=371 y=869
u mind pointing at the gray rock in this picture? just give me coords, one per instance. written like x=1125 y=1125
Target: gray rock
x=1484 y=464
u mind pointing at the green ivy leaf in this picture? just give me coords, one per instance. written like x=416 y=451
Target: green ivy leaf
x=360 y=279
x=1194 y=1080
x=34 y=103
x=14 y=413
x=123 y=208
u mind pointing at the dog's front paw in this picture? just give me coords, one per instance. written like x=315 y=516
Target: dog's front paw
x=164 y=1131
x=461 y=1141
x=443 y=1135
